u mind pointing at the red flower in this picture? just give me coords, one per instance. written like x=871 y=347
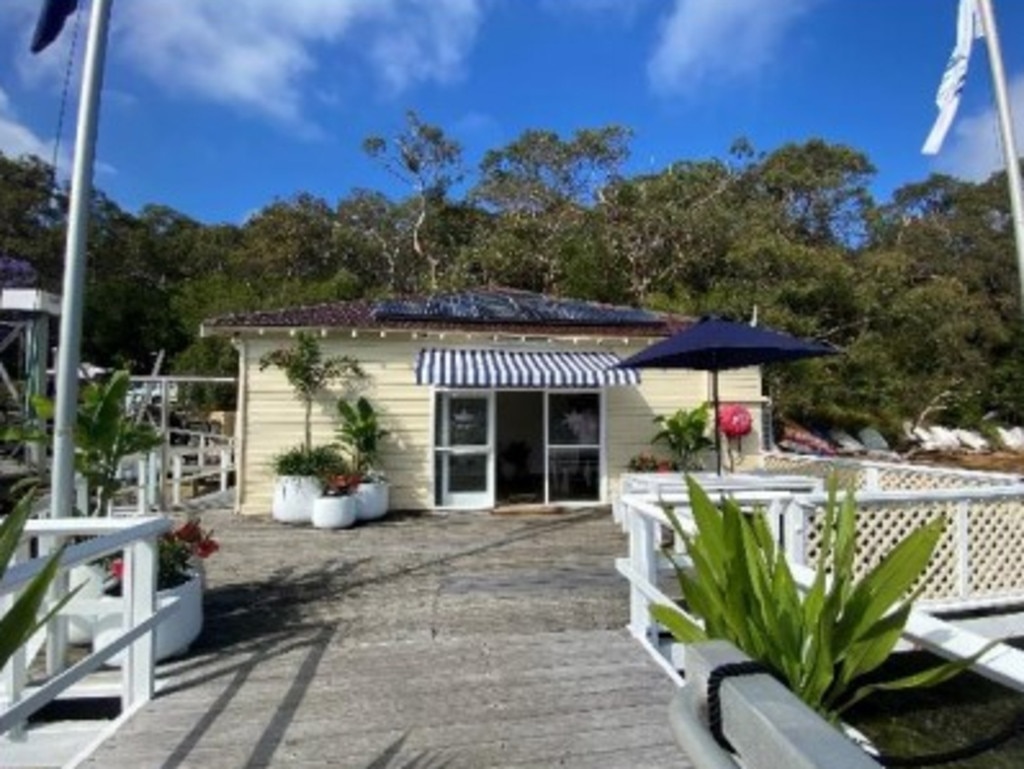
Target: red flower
x=206 y=547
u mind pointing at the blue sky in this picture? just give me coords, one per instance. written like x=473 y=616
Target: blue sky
x=217 y=107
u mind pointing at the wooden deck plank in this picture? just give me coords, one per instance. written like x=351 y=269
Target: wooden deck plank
x=421 y=641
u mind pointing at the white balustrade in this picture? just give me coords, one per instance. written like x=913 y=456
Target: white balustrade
x=136 y=540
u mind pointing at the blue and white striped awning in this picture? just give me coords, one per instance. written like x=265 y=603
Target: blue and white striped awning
x=505 y=368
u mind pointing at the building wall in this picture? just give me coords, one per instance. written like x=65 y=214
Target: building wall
x=273 y=418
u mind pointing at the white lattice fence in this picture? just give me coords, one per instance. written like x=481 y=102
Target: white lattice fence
x=849 y=475
x=916 y=478
x=885 y=476
x=881 y=526
x=996 y=551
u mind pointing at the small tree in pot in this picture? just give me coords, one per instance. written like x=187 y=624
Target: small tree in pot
x=360 y=434
x=300 y=470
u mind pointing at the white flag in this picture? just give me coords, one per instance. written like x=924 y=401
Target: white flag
x=968 y=27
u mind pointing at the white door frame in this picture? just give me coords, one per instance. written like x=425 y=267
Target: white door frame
x=440 y=448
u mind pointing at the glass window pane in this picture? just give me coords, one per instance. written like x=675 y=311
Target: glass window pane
x=467 y=421
x=574 y=419
x=574 y=475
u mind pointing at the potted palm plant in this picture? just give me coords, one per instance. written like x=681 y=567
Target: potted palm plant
x=360 y=435
x=684 y=434
x=300 y=470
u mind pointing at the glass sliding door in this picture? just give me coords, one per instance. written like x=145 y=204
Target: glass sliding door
x=463 y=456
x=574 y=447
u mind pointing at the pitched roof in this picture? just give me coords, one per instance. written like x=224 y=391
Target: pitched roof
x=492 y=310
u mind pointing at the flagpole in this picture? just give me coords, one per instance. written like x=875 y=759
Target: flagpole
x=987 y=19
x=62 y=483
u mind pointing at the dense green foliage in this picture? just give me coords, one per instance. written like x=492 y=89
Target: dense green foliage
x=822 y=642
x=920 y=291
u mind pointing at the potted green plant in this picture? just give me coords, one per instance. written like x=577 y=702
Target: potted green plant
x=822 y=643
x=180 y=578
x=684 y=434
x=360 y=435
x=300 y=470
x=337 y=507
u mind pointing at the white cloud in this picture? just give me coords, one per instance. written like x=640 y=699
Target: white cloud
x=257 y=54
x=703 y=40
x=973 y=150
x=17 y=139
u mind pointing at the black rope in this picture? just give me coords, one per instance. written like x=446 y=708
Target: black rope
x=64 y=93
x=715 y=679
x=1013 y=728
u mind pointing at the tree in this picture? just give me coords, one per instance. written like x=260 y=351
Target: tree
x=429 y=162
x=309 y=372
x=539 y=186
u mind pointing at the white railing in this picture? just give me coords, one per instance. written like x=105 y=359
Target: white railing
x=136 y=540
x=209 y=459
x=870 y=475
x=652 y=581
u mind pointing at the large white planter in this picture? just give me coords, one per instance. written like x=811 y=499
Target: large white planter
x=173 y=636
x=334 y=512
x=89 y=579
x=293 y=498
x=372 y=499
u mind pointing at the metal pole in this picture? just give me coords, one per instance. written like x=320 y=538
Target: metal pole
x=68 y=358
x=1013 y=178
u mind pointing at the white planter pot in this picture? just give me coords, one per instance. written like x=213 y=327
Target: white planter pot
x=293 y=498
x=334 y=512
x=372 y=499
x=173 y=636
x=91 y=577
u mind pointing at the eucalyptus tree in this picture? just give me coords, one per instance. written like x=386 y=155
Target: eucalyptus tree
x=377 y=233
x=539 y=187
x=427 y=160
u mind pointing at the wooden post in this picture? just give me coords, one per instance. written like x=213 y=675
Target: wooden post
x=225 y=468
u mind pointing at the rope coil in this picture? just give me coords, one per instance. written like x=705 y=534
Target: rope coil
x=715 y=679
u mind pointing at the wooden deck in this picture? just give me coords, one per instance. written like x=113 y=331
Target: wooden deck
x=461 y=641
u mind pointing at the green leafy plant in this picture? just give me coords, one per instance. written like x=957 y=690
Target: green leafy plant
x=309 y=372
x=318 y=461
x=104 y=436
x=179 y=552
x=823 y=642
x=360 y=434
x=22 y=620
x=684 y=434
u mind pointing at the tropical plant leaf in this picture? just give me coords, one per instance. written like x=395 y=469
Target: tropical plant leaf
x=682 y=628
x=921 y=680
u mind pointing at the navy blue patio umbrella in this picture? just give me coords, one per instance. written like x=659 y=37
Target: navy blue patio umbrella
x=714 y=344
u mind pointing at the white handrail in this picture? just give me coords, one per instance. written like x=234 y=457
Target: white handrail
x=136 y=538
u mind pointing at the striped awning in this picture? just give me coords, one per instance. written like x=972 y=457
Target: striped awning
x=507 y=368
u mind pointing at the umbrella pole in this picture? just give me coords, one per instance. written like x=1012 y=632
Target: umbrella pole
x=718 y=433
